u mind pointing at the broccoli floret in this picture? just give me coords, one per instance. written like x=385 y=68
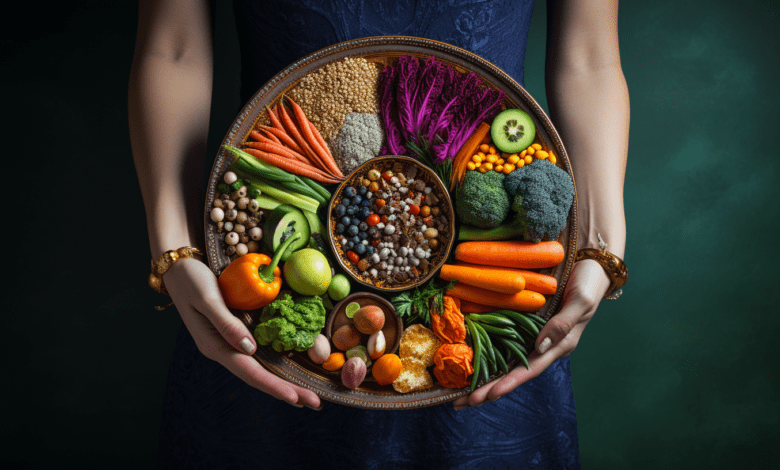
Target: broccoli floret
x=290 y=323
x=481 y=201
x=545 y=193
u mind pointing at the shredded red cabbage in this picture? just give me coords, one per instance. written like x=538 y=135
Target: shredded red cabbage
x=432 y=106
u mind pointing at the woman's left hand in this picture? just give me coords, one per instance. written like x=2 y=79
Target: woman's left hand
x=586 y=287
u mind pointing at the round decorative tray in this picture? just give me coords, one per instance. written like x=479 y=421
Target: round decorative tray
x=383 y=50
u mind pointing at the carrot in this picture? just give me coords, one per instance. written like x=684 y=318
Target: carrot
x=306 y=128
x=538 y=282
x=504 y=280
x=293 y=166
x=292 y=129
x=267 y=146
x=524 y=301
x=264 y=136
x=471 y=307
x=283 y=136
x=465 y=153
x=511 y=253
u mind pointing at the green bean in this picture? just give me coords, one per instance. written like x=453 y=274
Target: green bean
x=501 y=362
x=487 y=345
x=477 y=352
x=484 y=369
x=496 y=331
x=537 y=319
x=490 y=319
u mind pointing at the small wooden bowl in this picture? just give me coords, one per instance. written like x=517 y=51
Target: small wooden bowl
x=393 y=324
x=438 y=258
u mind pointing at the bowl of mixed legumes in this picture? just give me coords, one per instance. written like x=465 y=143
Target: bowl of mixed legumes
x=391 y=224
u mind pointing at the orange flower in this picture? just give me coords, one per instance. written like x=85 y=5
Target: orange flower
x=450 y=326
x=453 y=365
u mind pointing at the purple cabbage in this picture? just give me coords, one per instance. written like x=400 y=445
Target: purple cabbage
x=432 y=106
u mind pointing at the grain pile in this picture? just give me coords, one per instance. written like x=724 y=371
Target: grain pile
x=331 y=92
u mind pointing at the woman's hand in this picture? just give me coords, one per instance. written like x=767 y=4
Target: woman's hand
x=586 y=287
x=221 y=336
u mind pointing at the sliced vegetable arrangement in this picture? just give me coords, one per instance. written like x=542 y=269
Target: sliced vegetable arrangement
x=504 y=203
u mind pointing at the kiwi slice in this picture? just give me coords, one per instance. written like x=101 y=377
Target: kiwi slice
x=512 y=131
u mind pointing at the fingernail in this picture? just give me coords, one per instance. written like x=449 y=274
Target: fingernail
x=458 y=408
x=247 y=345
x=297 y=405
x=313 y=408
x=545 y=345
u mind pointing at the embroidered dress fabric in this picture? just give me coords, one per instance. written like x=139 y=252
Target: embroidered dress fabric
x=213 y=420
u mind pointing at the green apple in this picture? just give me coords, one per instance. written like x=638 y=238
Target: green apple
x=307 y=272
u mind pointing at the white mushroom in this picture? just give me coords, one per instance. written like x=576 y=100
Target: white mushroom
x=232 y=238
x=217 y=214
x=256 y=233
x=230 y=177
x=241 y=249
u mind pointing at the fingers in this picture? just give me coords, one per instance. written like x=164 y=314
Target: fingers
x=584 y=291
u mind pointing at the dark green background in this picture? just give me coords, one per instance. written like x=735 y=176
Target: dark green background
x=681 y=372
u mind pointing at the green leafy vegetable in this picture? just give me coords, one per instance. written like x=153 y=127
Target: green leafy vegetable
x=414 y=306
x=291 y=323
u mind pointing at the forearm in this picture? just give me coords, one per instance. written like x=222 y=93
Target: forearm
x=169 y=103
x=589 y=106
x=590 y=109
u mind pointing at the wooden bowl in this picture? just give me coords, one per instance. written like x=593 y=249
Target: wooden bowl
x=446 y=233
x=393 y=324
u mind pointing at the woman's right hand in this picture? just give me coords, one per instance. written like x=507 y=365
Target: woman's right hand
x=221 y=336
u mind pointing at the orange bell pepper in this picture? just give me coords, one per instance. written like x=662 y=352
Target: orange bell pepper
x=253 y=280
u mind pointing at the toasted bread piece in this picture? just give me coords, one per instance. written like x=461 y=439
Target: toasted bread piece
x=419 y=342
x=414 y=376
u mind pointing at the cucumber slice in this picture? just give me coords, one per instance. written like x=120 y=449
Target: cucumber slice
x=512 y=131
x=280 y=224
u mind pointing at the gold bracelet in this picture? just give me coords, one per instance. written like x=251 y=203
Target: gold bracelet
x=164 y=263
x=615 y=267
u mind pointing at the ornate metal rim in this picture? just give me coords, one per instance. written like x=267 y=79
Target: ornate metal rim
x=390 y=46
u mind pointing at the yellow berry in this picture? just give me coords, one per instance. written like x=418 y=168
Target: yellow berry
x=530 y=151
x=483 y=168
x=476 y=159
x=521 y=163
x=487 y=166
x=528 y=159
x=509 y=168
x=491 y=158
x=536 y=146
x=471 y=165
x=491 y=149
x=522 y=154
x=552 y=159
x=513 y=158
x=500 y=161
x=481 y=155
x=499 y=168
x=541 y=154
x=484 y=148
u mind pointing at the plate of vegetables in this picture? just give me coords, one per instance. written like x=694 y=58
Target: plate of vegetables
x=298 y=225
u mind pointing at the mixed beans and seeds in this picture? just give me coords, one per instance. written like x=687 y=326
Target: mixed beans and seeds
x=237 y=217
x=390 y=225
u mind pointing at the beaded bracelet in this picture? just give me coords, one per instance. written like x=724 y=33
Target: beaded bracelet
x=164 y=263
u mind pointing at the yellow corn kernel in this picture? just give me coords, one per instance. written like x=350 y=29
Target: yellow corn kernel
x=499 y=168
x=530 y=151
x=483 y=168
x=536 y=146
x=500 y=161
x=484 y=148
x=552 y=159
x=476 y=159
x=487 y=166
x=509 y=168
x=491 y=149
x=528 y=159
x=541 y=154
x=491 y=158
x=471 y=165
x=513 y=159
x=523 y=153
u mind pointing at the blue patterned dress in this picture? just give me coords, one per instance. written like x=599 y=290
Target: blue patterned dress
x=212 y=420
